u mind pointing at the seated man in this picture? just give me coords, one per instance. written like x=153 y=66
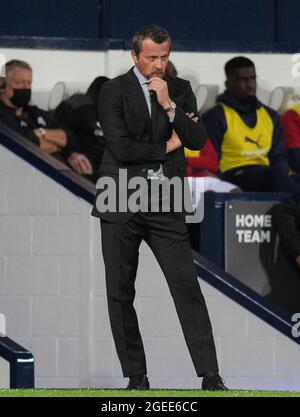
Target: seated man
x=290 y=121
x=35 y=124
x=79 y=113
x=247 y=135
x=286 y=219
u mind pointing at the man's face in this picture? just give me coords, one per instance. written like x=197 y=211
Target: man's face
x=153 y=58
x=242 y=83
x=17 y=78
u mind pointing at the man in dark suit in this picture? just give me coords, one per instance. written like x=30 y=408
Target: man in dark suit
x=147 y=117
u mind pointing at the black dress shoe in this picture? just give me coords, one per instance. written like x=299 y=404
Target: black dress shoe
x=213 y=382
x=140 y=383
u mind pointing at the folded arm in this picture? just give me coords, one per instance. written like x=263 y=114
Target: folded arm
x=192 y=133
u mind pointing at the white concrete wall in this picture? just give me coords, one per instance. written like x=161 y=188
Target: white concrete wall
x=52 y=293
x=82 y=67
x=4 y=373
x=2 y=324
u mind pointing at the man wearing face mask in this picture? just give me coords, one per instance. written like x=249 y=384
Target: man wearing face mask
x=247 y=135
x=34 y=123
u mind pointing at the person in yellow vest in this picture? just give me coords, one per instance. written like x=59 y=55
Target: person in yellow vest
x=205 y=164
x=247 y=135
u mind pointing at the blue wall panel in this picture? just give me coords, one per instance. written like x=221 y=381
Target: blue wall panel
x=49 y=18
x=211 y=20
x=257 y=25
x=288 y=21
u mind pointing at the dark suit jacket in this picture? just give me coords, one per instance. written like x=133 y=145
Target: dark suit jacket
x=131 y=143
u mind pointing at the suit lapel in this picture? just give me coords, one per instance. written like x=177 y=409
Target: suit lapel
x=136 y=92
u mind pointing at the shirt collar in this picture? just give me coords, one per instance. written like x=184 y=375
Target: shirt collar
x=142 y=80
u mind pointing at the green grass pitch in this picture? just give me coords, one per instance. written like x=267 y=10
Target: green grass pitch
x=150 y=393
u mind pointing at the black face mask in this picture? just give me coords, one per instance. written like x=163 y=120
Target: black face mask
x=21 y=97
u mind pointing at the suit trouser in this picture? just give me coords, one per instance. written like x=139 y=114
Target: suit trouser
x=168 y=239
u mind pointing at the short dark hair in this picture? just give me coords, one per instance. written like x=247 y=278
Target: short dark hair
x=95 y=87
x=16 y=63
x=156 y=33
x=237 y=62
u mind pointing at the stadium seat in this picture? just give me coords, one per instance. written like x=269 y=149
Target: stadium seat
x=279 y=98
x=292 y=100
x=62 y=90
x=206 y=95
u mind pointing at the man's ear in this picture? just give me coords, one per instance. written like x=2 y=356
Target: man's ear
x=134 y=56
x=2 y=84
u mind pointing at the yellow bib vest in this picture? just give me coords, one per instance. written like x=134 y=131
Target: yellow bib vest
x=188 y=153
x=243 y=145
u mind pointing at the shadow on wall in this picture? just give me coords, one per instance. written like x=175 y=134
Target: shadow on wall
x=283 y=275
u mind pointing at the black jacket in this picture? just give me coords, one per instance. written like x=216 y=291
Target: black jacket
x=127 y=127
x=79 y=113
x=33 y=118
x=286 y=219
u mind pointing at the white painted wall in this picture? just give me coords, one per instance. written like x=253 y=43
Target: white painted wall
x=2 y=324
x=52 y=293
x=51 y=66
x=4 y=373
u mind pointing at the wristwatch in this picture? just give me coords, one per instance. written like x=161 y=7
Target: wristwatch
x=171 y=108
